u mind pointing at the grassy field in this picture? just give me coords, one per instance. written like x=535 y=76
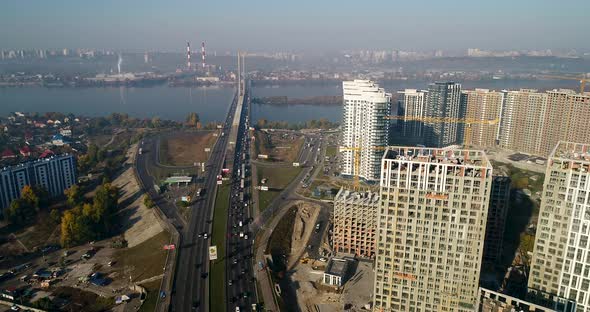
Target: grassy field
x=40 y=234
x=217 y=272
x=279 y=244
x=279 y=147
x=331 y=150
x=186 y=148
x=153 y=290
x=278 y=179
x=80 y=298
x=144 y=260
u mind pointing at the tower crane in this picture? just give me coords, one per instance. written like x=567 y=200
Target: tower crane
x=467 y=138
x=466 y=121
x=582 y=80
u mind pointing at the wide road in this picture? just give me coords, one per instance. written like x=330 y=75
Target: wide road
x=191 y=284
x=240 y=283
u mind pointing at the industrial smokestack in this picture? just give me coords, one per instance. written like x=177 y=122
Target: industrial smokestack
x=119 y=62
x=188 y=55
x=203 y=54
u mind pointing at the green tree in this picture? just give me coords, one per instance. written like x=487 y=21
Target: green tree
x=69 y=229
x=28 y=195
x=148 y=202
x=74 y=195
x=92 y=154
x=55 y=216
x=76 y=227
x=23 y=210
x=156 y=122
x=42 y=196
x=193 y=119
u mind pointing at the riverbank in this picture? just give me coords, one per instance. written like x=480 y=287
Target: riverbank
x=285 y=100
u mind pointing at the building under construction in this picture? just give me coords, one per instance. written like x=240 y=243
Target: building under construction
x=355 y=222
x=430 y=229
x=497 y=213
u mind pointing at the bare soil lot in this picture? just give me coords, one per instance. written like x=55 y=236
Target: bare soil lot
x=279 y=146
x=186 y=148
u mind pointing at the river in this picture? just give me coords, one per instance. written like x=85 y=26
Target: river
x=210 y=103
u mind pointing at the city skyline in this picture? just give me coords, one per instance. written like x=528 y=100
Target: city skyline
x=301 y=26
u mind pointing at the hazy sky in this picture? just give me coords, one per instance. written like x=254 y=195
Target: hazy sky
x=297 y=25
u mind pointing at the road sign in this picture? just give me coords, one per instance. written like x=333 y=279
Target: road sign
x=264 y=188
x=207 y=149
x=212 y=252
x=169 y=247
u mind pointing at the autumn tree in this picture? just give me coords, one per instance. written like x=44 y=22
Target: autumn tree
x=23 y=210
x=69 y=229
x=148 y=202
x=74 y=195
x=55 y=216
x=156 y=122
x=193 y=119
x=93 y=221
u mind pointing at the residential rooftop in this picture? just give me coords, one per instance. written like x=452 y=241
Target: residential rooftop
x=571 y=151
x=445 y=155
x=358 y=197
x=337 y=267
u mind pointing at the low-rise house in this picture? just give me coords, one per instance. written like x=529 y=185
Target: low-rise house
x=66 y=132
x=46 y=154
x=7 y=154
x=25 y=151
x=59 y=140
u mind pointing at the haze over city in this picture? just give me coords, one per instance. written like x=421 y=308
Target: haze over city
x=305 y=156
x=302 y=26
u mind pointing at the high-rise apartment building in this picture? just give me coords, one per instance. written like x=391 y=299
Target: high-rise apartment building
x=411 y=107
x=561 y=257
x=364 y=127
x=430 y=229
x=355 y=222
x=485 y=107
x=54 y=174
x=523 y=121
x=497 y=213
x=443 y=101
x=534 y=122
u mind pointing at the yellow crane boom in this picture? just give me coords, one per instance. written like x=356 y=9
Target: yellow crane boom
x=582 y=80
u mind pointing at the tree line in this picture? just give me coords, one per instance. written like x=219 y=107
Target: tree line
x=23 y=210
x=322 y=123
x=88 y=221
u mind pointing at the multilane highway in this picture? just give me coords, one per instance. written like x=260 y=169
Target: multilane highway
x=190 y=290
x=240 y=289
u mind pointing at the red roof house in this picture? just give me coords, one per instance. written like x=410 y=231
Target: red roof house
x=25 y=151
x=6 y=154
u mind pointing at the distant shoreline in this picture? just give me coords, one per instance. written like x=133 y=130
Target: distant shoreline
x=313 y=100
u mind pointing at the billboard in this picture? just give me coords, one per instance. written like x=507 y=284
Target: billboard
x=212 y=252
